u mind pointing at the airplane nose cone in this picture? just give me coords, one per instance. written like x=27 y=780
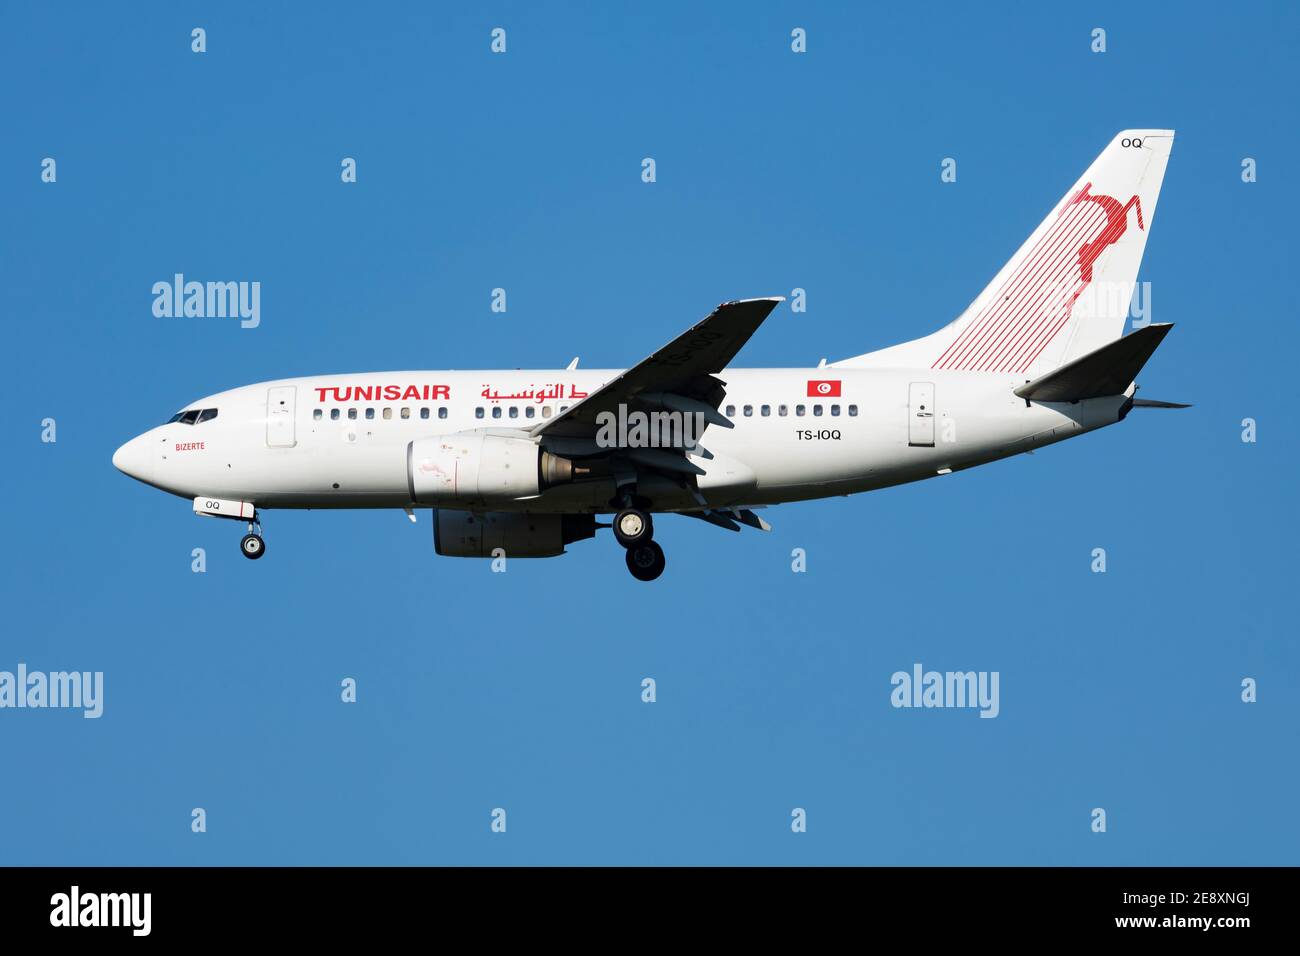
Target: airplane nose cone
x=133 y=459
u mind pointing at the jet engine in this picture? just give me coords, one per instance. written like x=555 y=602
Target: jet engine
x=461 y=534
x=479 y=468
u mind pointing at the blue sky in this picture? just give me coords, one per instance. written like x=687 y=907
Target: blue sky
x=522 y=690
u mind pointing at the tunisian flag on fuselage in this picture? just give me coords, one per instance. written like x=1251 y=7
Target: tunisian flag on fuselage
x=824 y=389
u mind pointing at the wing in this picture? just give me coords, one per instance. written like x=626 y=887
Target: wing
x=678 y=377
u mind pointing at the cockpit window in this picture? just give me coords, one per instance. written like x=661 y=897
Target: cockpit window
x=192 y=416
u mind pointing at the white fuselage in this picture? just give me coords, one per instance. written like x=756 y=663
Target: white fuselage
x=327 y=442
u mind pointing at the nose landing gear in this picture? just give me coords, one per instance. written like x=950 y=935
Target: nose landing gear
x=251 y=545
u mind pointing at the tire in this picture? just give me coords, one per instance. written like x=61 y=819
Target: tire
x=252 y=546
x=646 y=561
x=633 y=527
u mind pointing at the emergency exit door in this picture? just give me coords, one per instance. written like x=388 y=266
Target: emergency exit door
x=280 y=416
x=920 y=414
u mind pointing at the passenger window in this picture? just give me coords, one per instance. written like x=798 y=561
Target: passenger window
x=563 y=409
x=406 y=411
x=530 y=412
x=853 y=411
x=334 y=414
x=478 y=412
x=388 y=414
x=352 y=414
x=765 y=411
x=546 y=411
x=749 y=411
x=799 y=410
x=370 y=414
x=731 y=411
x=817 y=410
x=317 y=414
x=835 y=409
x=424 y=413
x=514 y=411
x=496 y=411
x=442 y=411
x=783 y=410
x=207 y=415
x=190 y=417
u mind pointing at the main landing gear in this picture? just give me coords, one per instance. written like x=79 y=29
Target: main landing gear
x=634 y=530
x=252 y=545
x=632 y=527
x=646 y=561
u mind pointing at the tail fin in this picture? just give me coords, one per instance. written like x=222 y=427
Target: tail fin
x=1066 y=292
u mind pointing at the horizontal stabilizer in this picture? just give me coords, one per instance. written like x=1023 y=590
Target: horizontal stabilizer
x=1156 y=403
x=1107 y=371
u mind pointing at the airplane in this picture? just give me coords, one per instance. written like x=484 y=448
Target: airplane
x=522 y=463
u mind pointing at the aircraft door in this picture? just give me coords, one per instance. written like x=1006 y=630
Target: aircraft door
x=280 y=414
x=920 y=414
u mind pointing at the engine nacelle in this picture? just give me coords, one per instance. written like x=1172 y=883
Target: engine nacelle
x=461 y=534
x=479 y=468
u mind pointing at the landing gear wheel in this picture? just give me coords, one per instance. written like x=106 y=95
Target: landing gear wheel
x=646 y=561
x=253 y=546
x=633 y=527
